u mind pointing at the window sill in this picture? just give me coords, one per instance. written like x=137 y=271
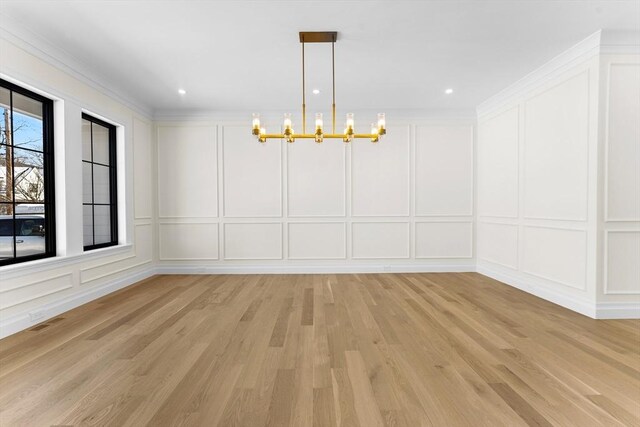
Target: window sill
x=37 y=266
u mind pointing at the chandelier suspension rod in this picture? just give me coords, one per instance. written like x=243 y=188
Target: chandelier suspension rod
x=333 y=83
x=304 y=106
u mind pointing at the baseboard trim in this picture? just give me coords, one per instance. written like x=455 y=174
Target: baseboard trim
x=316 y=269
x=528 y=285
x=22 y=321
x=618 y=310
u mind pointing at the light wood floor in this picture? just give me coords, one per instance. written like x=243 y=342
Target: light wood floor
x=301 y=350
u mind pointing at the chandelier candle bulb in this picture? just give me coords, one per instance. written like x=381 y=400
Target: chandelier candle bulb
x=374 y=133
x=318 y=121
x=256 y=124
x=287 y=121
x=350 y=124
x=381 y=124
x=318 y=135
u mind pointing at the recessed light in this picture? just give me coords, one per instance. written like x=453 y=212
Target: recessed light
x=182 y=91
x=316 y=91
x=448 y=91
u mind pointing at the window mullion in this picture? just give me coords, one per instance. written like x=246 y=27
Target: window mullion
x=13 y=175
x=93 y=186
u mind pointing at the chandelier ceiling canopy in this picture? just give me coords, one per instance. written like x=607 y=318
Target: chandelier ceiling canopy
x=377 y=129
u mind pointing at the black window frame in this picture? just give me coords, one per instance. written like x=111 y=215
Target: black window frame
x=48 y=173
x=113 y=184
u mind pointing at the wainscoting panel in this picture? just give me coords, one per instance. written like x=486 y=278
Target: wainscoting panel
x=622 y=146
x=188 y=241
x=144 y=241
x=252 y=174
x=444 y=171
x=380 y=175
x=498 y=243
x=187 y=177
x=143 y=171
x=13 y=296
x=622 y=262
x=556 y=136
x=498 y=165
x=252 y=241
x=380 y=240
x=326 y=240
x=444 y=239
x=555 y=254
x=316 y=179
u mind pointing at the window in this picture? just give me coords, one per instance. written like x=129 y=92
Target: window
x=27 y=223
x=99 y=183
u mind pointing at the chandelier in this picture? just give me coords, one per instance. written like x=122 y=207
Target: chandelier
x=377 y=129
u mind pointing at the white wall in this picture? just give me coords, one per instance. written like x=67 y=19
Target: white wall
x=619 y=214
x=544 y=224
x=533 y=186
x=34 y=291
x=229 y=203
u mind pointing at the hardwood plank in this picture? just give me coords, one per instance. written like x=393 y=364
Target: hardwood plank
x=343 y=399
x=307 y=307
x=324 y=413
x=526 y=411
x=365 y=403
x=615 y=410
x=280 y=329
x=281 y=402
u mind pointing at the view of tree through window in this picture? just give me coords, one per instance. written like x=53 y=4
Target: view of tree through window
x=26 y=175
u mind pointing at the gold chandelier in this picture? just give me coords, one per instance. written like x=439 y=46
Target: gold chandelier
x=377 y=130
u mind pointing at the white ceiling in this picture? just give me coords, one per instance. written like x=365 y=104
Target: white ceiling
x=245 y=55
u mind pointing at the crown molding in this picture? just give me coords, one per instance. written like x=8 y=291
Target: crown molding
x=620 y=42
x=584 y=50
x=31 y=42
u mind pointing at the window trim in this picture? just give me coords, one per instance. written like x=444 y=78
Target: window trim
x=48 y=171
x=113 y=183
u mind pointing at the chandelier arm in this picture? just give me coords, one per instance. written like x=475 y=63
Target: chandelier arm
x=333 y=83
x=304 y=106
x=312 y=135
